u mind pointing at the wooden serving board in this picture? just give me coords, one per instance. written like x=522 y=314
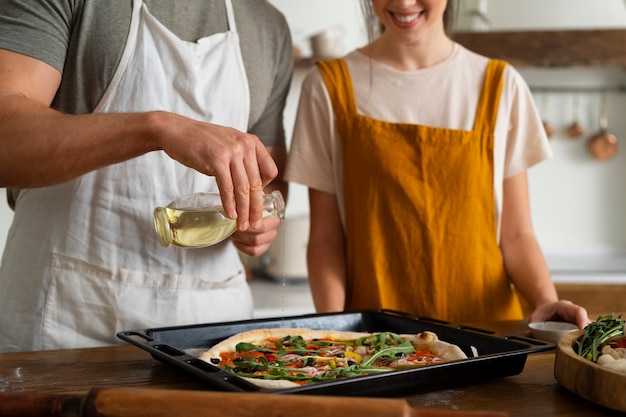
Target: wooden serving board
x=589 y=380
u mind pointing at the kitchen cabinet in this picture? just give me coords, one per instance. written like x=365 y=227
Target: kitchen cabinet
x=550 y=48
x=598 y=299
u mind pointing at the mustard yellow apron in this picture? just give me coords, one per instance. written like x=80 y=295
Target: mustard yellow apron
x=420 y=211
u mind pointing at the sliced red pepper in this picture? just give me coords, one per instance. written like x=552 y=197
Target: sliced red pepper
x=619 y=343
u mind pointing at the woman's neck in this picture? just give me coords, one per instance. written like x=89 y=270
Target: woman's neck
x=406 y=57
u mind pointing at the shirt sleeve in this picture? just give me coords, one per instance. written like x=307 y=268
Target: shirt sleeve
x=40 y=30
x=269 y=127
x=526 y=141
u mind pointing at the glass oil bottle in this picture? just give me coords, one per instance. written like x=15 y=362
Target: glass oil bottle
x=198 y=220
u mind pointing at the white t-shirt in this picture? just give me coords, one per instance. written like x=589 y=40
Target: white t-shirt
x=444 y=95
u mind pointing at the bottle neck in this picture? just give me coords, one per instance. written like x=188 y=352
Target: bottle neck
x=274 y=204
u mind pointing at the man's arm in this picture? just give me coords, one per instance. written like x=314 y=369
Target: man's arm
x=40 y=146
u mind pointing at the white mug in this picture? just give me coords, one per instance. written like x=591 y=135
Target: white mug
x=327 y=43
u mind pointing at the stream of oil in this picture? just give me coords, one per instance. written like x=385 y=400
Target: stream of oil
x=282 y=236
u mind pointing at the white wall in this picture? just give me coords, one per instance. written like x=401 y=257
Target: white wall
x=578 y=204
x=553 y=14
x=307 y=18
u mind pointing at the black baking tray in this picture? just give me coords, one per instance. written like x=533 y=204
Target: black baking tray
x=497 y=355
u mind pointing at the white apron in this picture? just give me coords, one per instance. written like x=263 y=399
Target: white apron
x=83 y=259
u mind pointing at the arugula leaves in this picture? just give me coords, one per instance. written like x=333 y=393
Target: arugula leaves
x=250 y=347
x=597 y=333
x=383 y=348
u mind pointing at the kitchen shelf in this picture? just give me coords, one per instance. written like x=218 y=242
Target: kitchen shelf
x=304 y=62
x=552 y=48
x=542 y=48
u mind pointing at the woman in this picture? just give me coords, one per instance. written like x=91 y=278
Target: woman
x=415 y=151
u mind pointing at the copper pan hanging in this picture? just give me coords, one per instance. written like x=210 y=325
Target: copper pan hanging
x=575 y=130
x=603 y=145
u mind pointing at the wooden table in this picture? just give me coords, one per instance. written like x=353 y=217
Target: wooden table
x=534 y=392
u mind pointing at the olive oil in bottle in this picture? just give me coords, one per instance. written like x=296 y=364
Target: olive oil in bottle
x=198 y=220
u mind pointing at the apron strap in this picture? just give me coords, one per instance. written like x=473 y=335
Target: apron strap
x=232 y=26
x=487 y=111
x=339 y=86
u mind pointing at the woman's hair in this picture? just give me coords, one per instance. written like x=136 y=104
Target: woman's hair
x=375 y=28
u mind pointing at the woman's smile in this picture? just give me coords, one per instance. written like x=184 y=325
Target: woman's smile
x=411 y=21
x=404 y=20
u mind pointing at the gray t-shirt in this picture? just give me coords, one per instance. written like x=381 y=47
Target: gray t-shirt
x=84 y=40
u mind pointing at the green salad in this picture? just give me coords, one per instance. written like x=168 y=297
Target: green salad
x=598 y=333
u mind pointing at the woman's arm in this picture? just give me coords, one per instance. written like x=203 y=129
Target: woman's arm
x=326 y=255
x=524 y=259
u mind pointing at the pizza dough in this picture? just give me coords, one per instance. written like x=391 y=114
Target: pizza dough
x=422 y=342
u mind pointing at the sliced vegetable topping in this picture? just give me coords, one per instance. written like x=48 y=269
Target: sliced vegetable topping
x=294 y=359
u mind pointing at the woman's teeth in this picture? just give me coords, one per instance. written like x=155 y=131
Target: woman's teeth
x=406 y=18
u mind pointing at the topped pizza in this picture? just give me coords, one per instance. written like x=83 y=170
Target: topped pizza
x=290 y=357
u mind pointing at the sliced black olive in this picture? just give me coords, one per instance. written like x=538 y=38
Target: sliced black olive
x=215 y=361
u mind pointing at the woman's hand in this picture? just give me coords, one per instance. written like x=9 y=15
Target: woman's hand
x=561 y=310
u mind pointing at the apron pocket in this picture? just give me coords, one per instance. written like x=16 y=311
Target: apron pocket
x=87 y=304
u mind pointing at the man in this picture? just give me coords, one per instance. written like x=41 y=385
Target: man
x=108 y=109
